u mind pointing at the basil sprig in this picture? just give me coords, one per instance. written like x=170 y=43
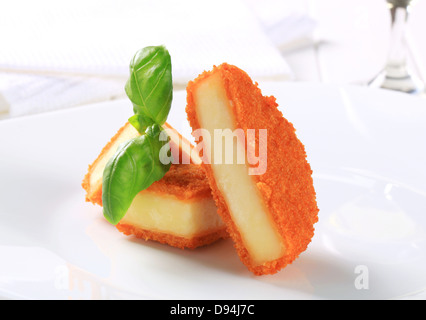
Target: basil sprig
x=134 y=167
x=137 y=163
x=150 y=87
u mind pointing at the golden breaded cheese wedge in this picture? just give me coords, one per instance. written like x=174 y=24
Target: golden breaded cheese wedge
x=269 y=214
x=177 y=210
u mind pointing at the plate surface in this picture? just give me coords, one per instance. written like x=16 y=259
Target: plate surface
x=366 y=148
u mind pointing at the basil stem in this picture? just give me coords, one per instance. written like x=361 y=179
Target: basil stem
x=150 y=87
x=133 y=168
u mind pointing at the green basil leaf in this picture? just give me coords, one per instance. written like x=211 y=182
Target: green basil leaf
x=140 y=122
x=133 y=168
x=150 y=86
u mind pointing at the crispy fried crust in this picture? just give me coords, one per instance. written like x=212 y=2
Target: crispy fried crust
x=172 y=240
x=186 y=182
x=286 y=187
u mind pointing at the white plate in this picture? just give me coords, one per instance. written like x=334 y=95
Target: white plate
x=367 y=150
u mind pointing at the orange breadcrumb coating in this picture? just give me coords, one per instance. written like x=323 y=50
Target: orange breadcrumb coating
x=286 y=187
x=186 y=182
x=172 y=240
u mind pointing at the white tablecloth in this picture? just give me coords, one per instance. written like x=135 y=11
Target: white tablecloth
x=62 y=54
x=57 y=55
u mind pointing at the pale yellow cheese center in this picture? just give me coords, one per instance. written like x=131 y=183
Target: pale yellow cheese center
x=166 y=213
x=238 y=188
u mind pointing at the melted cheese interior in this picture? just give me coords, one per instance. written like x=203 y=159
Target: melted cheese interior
x=238 y=188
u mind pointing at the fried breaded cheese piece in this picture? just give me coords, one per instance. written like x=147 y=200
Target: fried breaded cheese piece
x=177 y=210
x=270 y=216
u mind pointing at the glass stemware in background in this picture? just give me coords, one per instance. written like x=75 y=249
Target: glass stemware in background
x=396 y=74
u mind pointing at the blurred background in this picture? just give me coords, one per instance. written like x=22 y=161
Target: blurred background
x=62 y=54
